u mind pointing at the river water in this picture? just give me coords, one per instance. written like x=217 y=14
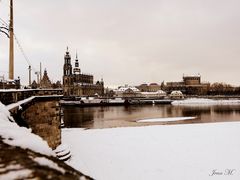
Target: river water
x=126 y=116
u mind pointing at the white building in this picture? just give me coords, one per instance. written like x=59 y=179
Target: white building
x=127 y=91
x=176 y=95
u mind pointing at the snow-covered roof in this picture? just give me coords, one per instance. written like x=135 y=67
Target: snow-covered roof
x=123 y=89
x=154 y=93
x=153 y=84
x=176 y=93
x=143 y=84
x=191 y=75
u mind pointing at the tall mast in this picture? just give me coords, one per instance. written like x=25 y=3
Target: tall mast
x=40 y=71
x=29 y=76
x=11 y=43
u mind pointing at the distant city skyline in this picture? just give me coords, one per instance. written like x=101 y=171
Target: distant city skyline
x=127 y=41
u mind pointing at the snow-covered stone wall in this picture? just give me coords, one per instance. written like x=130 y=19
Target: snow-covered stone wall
x=41 y=114
x=25 y=155
x=43 y=117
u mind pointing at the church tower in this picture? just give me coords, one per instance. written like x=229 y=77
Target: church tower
x=67 y=75
x=67 y=68
x=76 y=69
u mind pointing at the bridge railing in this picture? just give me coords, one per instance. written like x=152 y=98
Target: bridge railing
x=10 y=96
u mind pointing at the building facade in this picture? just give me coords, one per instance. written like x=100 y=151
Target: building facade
x=77 y=84
x=152 y=87
x=191 y=85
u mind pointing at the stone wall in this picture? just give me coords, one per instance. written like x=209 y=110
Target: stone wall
x=43 y=117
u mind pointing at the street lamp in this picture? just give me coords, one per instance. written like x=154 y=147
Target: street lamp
x=3 y=30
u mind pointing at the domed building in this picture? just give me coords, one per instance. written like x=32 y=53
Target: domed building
x=127 y=91
x=176 y=95
x=153 y=87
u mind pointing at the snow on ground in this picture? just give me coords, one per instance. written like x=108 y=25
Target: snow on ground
x=5 y=114
x=46 y=162
x=175 y=152
x=165 y=119
x=17 y=174
x=10 y=167
x=14 y=135
x=201 y=101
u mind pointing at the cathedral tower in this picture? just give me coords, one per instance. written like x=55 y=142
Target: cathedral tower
x=77 y=84
x=67 y=68
x=67 y=75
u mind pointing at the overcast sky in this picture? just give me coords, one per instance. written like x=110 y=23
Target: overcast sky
x=128 y=41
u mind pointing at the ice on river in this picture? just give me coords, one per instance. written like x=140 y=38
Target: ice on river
x=165 y=119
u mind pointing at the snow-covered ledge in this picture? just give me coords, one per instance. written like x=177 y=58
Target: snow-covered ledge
x=14 y=135
x=25 y=155
x=41 y=114
x=25 y=101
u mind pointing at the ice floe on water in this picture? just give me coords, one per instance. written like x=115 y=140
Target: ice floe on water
x=201 y=101
x=165 y=119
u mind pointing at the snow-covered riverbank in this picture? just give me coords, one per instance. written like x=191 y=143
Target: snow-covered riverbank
x=157 y=152
x=200 y=101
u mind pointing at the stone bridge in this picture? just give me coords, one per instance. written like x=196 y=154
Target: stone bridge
x=8 y=96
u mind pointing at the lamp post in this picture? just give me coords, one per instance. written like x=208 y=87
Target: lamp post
x=10 y=35
x=3 y=30
x=29 y=75
x=11 y=43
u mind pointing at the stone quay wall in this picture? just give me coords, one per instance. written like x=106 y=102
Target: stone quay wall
x=42 y=115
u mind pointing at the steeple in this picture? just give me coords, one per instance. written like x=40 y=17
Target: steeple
x=45 y=73
x=76 y=61
x=76 y=69
x=45 y=82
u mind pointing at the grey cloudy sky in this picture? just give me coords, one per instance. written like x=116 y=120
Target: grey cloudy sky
x=128 y=41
